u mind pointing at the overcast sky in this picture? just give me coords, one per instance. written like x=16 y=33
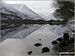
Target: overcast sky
x=42 y=7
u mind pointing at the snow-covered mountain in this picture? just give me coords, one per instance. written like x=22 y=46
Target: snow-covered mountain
x=24 y=9
x=20 y=10
x=8 y=12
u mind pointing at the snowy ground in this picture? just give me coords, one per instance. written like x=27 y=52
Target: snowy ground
x=21 y=47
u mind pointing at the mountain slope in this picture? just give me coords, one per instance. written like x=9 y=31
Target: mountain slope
x=5 y=9
x=24 y=9
x=10 y=13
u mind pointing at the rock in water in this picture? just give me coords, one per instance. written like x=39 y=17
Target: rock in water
x=37 y=44
x=45 y=49
x=30 y=52
x=40 y=39
x=54 y=42
x=60 y=39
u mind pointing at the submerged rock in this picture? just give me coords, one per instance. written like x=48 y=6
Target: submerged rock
x=45 y=49
x=60 y=39
x=37 y=44
x=40 y=39
x=54 y=42
x=30 y=52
